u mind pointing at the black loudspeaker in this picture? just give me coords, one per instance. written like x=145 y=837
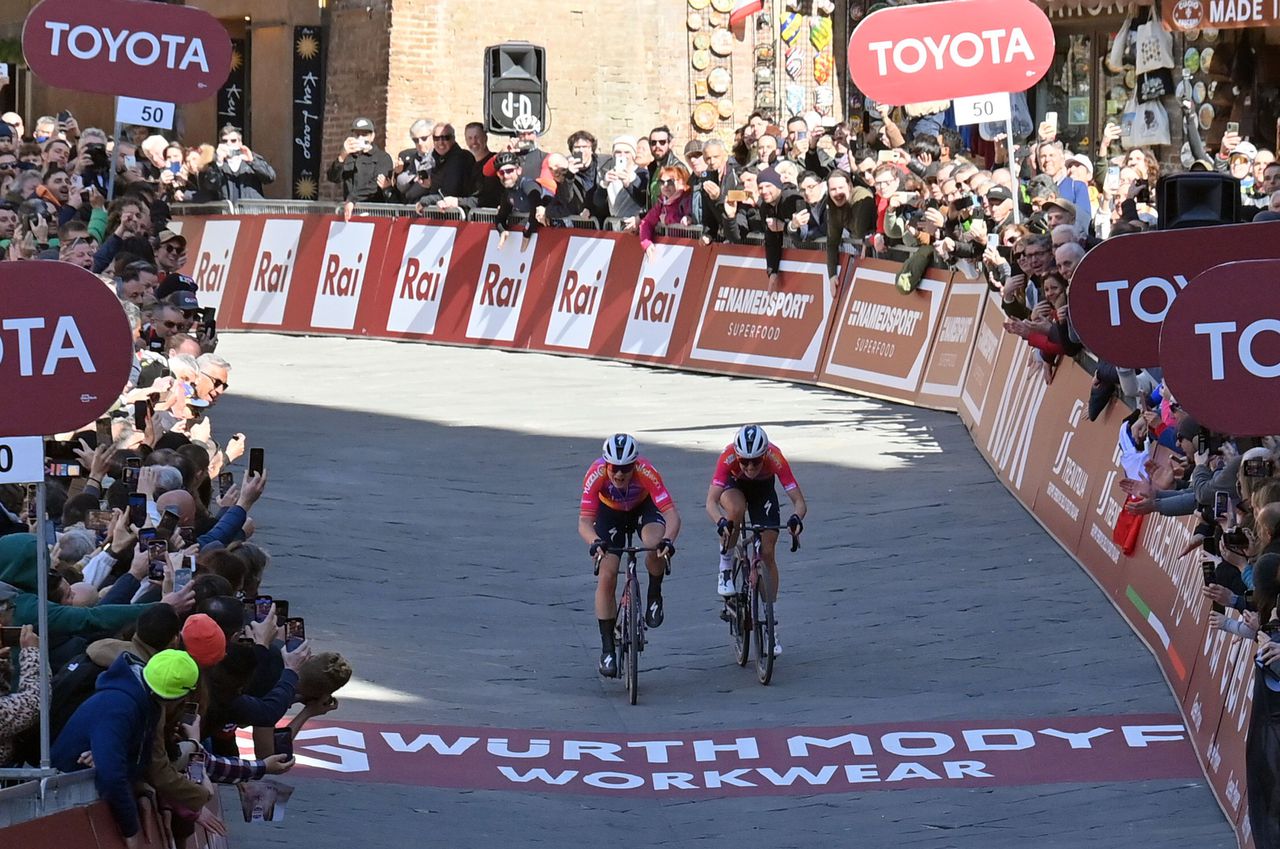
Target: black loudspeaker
x=1197 y=199
x=515 y=83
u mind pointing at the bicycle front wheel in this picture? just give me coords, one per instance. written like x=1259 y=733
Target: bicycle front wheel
x=740 y=624
x=633 y=638
x=762 y=616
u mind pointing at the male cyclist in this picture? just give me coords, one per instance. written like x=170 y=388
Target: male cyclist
x=623 y=493
x=742 y=485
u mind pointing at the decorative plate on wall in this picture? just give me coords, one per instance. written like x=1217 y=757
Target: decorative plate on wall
x=718 y=81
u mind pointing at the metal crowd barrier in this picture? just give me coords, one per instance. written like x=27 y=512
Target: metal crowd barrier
x=435 y=213
x=215 y=207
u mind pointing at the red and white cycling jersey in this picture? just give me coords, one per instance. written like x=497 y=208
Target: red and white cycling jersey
x=645 y=483
x=728 y=469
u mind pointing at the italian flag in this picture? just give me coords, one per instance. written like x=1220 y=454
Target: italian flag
x=743 y=9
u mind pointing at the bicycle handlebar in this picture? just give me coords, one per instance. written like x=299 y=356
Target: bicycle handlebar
x=795 y=536
x=629 y=549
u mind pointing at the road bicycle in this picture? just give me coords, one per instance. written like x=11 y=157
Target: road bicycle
x=629 y=633
x=748 y=611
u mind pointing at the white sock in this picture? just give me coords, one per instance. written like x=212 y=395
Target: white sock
x=726 y=562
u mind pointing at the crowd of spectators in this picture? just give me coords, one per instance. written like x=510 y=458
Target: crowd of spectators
x=161 y=639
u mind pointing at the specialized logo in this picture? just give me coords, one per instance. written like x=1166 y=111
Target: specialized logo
x=656 y=300
x=745 y=323
x=500 y=291
x=213 y=260
x=342 y=275
x=580 y=292
x=420 y=282
x=272 y=272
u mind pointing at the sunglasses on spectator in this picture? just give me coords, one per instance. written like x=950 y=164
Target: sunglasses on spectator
x=508 y=170
x=660 y=141
x=420 y=139
x=667 y=182
x=221 y=384
x=443 y=138
x=174 y=325
x=621 y=470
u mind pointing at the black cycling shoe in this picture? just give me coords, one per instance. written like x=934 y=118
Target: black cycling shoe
x=653 y=616
x=608 y=665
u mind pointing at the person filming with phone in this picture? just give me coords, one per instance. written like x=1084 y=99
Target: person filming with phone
x=363 y=169
x=239 y=173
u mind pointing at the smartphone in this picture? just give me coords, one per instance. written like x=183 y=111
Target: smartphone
x=9 y=637
x=262 y=607
x=295 y=628
x=1221 y=504
x=168 y=525
x=158 y=550
x=188 y=535
x=1233 y=127
x=146 y=536
x=257 y=460
x=181 y=577
x=140 y=413
x=282 y=611
x=282 y=742
x=884 y=156
x=1051 y=118
x=104 y=431
x=65 y=470
x=195 y=767
x=1207 y=566
x=137 y=509
x=191 y=713
x=98 y=521
x=735 y=196
x=1259 y=468
x=208 y=316
x=175 y=167
x=226 y=480
x=802 y=135
x=250 y=613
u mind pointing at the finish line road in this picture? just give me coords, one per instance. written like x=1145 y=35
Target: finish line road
x=421 y=513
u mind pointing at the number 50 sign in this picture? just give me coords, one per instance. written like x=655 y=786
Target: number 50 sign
x=21 y=459
x=983 y=109
x=144 y=113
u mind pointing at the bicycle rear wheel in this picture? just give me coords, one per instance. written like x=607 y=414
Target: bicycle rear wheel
x=740 y=625
x=632 y=638
x=762 y=616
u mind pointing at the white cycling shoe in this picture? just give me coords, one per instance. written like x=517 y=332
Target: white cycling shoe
x=724 y=585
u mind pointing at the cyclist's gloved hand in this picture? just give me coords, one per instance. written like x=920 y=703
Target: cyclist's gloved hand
x=666 y=548
x=723 y=526
x=597 y=548
x=795 y=524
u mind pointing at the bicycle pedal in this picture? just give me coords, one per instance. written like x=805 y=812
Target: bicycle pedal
x=726 y=615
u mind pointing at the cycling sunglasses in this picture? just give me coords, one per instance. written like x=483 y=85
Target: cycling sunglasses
x=621 y=470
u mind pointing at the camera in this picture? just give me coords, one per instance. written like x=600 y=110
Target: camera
x=98 y=155
x=1235 y=538
x=1260 y=468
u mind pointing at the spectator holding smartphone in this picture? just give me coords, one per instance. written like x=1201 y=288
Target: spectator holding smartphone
x=363 y=169
x=238 y=172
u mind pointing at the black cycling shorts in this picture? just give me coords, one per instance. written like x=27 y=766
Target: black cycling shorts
x=612 y=526
x=762 y=499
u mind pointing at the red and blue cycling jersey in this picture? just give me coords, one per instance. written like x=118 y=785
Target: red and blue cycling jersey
x=728 y=469
x=645 y=484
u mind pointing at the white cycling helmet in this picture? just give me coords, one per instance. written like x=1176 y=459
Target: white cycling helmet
x=751 y=442
x=620 y=449
x=526 y=122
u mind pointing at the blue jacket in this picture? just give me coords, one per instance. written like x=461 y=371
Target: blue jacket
x=116 y=723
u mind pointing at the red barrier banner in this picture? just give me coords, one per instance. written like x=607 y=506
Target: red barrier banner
x=660 y=290
x=420 y=280
x=578 y=299
x=881 y=338
x=279 y=249
x=209 y=254
x=352 y=256
x=747 y=329
x=980 y=370
x=506 y=272
x=952 y=345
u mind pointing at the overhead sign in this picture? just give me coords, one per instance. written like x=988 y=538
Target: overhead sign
x=1123 y=288
x=127 y=47
x=1220 y=348
x=65 y=347
x=1184 y=15
x=940 y=51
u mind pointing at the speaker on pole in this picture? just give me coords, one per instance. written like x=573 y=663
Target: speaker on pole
x=515 y=83
x=1197 y=199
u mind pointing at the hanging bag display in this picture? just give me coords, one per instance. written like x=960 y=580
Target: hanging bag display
x=1119 y=47
x=1154 y=47
x=1151 y=125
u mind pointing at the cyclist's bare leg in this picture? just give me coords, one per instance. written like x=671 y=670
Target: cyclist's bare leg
x=651 y=535
x=607 y=588
x=734 y=505
x=768 y=553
